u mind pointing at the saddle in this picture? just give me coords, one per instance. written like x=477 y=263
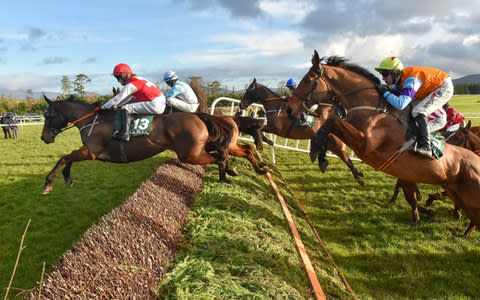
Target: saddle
x=140 y=124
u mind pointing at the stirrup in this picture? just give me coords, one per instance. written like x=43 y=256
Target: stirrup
x=427 y=152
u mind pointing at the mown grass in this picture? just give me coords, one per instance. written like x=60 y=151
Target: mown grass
x=61 y=217
x=237 y=244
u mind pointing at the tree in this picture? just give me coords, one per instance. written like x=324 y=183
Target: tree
x=29 y=95
x=214 y=87
x=79 y=84
x=66 y=85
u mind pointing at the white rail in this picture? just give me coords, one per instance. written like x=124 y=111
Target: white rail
x=278 y=142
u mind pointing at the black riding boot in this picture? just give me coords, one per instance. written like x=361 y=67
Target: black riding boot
x=124 y=133
x=422 y=146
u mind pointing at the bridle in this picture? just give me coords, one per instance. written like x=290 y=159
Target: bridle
x=56 y=131
x=332 y=96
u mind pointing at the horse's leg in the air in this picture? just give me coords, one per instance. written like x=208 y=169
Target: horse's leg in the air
x=77 y=155
x=245 y=151
x=343 y=130
x=337 y=147
x=66 y=174
x=412 y=195
x=396 y=191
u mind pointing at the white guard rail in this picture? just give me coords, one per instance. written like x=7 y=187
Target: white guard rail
x=230 y=107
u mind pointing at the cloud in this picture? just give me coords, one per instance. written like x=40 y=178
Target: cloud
x=34 y=33
x=242 y=9
x=54 y=60
x=28 y=81
x=89 y=60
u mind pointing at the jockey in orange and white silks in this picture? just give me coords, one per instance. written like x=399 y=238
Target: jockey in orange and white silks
x=151 y=99
x=181 y=96
x=432 y=87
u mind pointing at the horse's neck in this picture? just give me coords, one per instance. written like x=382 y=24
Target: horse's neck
x=75 y=111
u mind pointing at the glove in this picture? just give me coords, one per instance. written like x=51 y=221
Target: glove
x=383 y=88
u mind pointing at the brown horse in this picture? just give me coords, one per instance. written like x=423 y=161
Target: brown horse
x=281 y=123
x=196 y=138
x=373 y=131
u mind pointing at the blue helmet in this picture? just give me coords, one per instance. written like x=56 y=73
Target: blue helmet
x=291 y=83
x=170 y=76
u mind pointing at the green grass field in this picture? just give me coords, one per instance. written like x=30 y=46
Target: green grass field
x=60 y=218
x=237 y=244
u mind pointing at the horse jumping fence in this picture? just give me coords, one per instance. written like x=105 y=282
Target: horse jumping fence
x=230 y=107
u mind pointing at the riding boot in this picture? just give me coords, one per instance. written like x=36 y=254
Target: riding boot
x=124 y=133
x=422 y=146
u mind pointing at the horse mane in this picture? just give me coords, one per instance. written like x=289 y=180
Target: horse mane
x=342 y=62
x=201 y=95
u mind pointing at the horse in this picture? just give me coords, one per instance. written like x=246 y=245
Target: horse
x=373 y=131
x=196 y=138
x=280 y=122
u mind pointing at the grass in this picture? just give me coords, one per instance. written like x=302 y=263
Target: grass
x=237 y=244
x=61 y=217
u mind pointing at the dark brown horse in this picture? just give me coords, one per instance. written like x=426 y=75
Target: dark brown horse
x=279 y=121
x=196 y=138
x=373 y=131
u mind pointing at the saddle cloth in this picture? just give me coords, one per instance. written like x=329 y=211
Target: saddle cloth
x=140 y=125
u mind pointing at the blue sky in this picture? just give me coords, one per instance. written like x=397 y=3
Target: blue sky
x=225 y=40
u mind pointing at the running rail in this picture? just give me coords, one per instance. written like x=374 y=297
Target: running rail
x=317 y=288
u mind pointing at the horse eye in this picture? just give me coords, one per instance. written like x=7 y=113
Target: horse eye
x=308 y=80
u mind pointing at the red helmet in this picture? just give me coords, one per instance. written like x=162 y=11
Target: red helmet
x=122 y=70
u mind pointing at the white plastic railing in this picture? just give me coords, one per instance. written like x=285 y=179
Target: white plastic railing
x=231 y=108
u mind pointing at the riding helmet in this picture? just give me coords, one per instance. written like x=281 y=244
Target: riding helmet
x=122 y=70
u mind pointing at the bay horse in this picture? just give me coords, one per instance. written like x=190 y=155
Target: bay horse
x=279 y=121
x=373 y=131
x=196 y=138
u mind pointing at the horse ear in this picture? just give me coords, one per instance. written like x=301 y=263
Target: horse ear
x=46 y=99
x=315 y=58
x=469 y=124
x=254 y=80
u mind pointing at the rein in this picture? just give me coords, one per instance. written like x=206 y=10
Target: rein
x=72 y=124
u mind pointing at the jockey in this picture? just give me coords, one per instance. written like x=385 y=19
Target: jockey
x=432 y=86
x=455 y=119
x=181 y=96
x=292 y=85
x=150 y=98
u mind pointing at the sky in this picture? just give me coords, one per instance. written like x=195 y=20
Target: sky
x=231 y=41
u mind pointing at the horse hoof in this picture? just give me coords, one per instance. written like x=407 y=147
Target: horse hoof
x=69 y=182
x=225 y=180
x=46 y=189
x=232 y=172
x=323 y=165
x=314 y=155
x=362 y=183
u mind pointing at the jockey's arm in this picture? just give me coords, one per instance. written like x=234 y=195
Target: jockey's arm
x=410 y=88
x=121 y=98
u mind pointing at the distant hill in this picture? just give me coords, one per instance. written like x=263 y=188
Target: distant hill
x=469 y=79
x=20 y=94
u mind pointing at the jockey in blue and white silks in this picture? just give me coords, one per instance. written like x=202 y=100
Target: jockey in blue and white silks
x=181 y=96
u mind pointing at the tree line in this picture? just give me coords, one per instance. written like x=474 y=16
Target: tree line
x=214 y=89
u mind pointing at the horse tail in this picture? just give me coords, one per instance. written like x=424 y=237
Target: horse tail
x=220 y=132
x=201 y=96
x=253 y=127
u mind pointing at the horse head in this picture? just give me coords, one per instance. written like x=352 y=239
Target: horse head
x=60 y=113
x=249 y=96
x=311 y=88
x=54 y=121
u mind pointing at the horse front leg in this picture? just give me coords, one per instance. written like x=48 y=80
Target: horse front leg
x=337 y=147
x=345 y=131
x=67 y=160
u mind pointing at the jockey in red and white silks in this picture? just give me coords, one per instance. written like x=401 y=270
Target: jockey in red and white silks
x=151 y=99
